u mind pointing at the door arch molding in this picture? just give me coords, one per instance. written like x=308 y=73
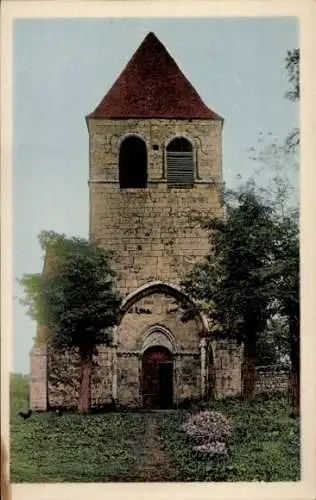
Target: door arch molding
x=157 y=335
x=168 y=289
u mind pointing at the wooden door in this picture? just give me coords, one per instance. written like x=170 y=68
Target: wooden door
x=165 y=385
x=157 y=378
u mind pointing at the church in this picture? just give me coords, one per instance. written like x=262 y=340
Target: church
x=155 y=163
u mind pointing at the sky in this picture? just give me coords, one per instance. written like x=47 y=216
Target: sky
x=61 y=70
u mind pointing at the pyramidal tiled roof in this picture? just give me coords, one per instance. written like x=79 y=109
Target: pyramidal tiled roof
x=152 y=86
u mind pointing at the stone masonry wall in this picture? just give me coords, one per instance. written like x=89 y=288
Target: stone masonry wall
x=157 y=309
x=128 y=379
x=227 y=359
x=271 y=379
x=187 y=377
x=55 y=377
x=63 y=372
x=151 y=231
x=101 y=382
x=63 y=378
x=106 y=136
x=38 y=382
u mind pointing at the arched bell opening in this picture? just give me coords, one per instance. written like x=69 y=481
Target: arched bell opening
x=133 y=163
x=180 y=163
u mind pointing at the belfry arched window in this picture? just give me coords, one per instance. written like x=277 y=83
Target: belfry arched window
x=133 y=163
x=180 y=163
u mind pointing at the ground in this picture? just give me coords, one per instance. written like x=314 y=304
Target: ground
x=138 y=446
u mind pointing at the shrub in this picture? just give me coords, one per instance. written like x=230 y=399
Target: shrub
x=211 y=449
x=211 y=430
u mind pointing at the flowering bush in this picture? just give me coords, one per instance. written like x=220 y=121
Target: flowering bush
x=211 y=430
x=216 y=448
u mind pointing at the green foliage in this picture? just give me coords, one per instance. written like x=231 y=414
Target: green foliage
x=19 y=388
x=273 y=345
x=284 y=278
x=292 y=65
x=75 y=295
x=279 y=163
x=232 y=277
x=33 y=298
x=45 y=448
x=252 y=269
x=263 y=447
x=73 y=447
x=293 y=140
x=285 y=273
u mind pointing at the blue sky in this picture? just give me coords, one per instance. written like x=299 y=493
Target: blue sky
x=61 y=70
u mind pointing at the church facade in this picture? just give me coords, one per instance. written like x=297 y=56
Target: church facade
x=155 y=165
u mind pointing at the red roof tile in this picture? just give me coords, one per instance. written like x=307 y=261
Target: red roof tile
x=152 y=86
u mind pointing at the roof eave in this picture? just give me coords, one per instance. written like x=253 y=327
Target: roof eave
x=140 y=117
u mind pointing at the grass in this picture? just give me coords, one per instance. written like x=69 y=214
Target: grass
x=263 y=448
x=106 y=447
x=73 y=447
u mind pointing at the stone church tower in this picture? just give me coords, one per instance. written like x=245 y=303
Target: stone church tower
x=155 y=163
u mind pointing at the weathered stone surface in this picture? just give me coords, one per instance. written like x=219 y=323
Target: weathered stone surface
x=147 y=323
x=101 y=382
x=106 y=136
x=151 y=231
x=227 y=361
x=64 y=378
x=64 y=374
x=188 y=378
x=38 y=382
x=158 y=309
x=154 y=236
x=271 y=379
x=128 y=380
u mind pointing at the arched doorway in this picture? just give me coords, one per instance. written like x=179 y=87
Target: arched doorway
x=157 y=378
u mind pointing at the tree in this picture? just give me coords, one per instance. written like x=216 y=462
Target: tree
x=283 y=160
x=231 y=281
x=291 y=284
x=284 y=276
x=273 y=346
x=292 y=65
x=76 y=298
x=283 y=273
